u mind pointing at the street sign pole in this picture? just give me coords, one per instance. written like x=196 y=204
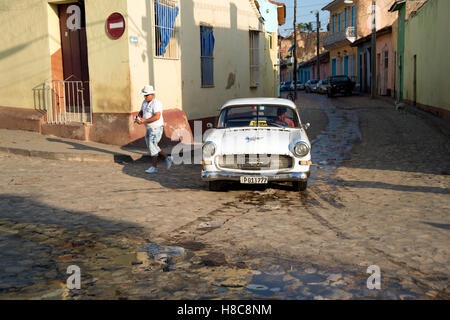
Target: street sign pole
x=295 y=50
x=373 y=80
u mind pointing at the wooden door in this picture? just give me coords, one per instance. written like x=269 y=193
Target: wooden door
x=74 y=56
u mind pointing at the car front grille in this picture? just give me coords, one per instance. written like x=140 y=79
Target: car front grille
x=255 y=162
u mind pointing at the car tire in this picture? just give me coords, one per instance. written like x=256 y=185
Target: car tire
x=216 y=186
x=300 y=185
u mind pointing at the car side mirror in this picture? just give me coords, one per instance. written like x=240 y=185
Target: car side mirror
x=209 y=125
x=306 y=126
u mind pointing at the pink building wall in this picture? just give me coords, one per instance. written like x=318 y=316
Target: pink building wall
x=324 y=70
x=385 y=64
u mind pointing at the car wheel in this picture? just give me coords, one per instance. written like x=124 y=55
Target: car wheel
x=216 y=186
x=300 y=185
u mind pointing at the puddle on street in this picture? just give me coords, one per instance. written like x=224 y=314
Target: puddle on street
x=124 y=266
x=318 y=283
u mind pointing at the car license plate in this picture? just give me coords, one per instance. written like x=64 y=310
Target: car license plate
x=254 y=180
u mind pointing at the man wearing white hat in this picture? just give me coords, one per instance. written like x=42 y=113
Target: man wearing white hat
x=151 y=116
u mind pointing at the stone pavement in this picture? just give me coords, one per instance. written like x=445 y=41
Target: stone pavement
x=380 y=197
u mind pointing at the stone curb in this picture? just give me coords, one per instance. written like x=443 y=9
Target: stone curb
x=79 y=157
x=82 y=157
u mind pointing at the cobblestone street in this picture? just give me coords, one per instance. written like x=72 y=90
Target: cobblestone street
x=378 y=195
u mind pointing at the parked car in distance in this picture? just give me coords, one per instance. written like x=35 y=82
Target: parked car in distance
x=322 y=86
x=286 y=86
x=340 y=84
x=311 y=86
x=257 y=141
x=300 y=85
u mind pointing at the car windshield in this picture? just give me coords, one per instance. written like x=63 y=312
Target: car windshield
x=258 y=116
x=339 y=78
x=314 y=81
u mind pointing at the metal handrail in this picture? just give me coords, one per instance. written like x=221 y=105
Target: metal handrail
x=64 y=102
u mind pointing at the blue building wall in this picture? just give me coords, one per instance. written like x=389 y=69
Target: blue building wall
x=304 y=74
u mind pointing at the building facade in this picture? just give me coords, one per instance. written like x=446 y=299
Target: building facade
x=308 y=70
x=426 y=65
x=351 y=20
x=342 y=27
x=64 y=71
x=384 y=62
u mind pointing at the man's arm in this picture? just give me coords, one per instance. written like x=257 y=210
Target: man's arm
x=152 y=119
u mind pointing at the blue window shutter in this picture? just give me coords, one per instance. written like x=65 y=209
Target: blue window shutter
x=166 y=17
x=346 y=65
x=339 y=21
x=353 y=16
x=207 y=42
x=346 y=18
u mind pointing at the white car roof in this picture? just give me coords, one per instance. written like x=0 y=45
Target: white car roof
x=259 y=101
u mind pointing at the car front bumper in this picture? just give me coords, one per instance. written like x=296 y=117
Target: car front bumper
x=234 y=176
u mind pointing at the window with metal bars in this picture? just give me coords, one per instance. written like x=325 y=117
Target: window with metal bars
x=207 y=56
x=254 y=58
x=166 y=28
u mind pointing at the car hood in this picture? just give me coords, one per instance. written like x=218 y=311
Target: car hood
x=257 y=140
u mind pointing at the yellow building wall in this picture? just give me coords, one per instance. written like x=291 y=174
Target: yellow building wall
x=269 y=64
x=339 y=52
x=140 y=53
x=108 y=59
x=31 y=36
x=24 y=51
x=118 y=69
x=427 y=39
x=231 y=22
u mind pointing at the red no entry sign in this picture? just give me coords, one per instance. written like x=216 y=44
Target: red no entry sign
x=115 y=25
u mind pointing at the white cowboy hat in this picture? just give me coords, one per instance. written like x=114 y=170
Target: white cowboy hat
x=147 y=90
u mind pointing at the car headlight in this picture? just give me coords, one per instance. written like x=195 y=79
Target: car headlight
x=301 y=149
x=208 y=149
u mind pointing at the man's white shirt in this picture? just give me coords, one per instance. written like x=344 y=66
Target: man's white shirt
x=149 y=109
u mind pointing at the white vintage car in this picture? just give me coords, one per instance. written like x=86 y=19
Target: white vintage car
x=257 y=140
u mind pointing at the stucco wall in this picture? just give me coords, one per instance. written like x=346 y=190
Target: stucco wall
x=231 y=22
x=31 y=39
x=108 y=59
x=384 y=43
x=340 y=52
x=425 y=37
x=140 y=22
x=24 y=51
x=364 y=16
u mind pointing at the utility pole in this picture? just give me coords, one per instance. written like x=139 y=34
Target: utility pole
x=373 y=67
x=295 y=50
x=318 y=44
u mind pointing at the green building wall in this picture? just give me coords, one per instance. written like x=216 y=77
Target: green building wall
x=426 y=58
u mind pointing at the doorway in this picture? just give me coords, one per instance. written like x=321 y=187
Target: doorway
x=74 y=57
